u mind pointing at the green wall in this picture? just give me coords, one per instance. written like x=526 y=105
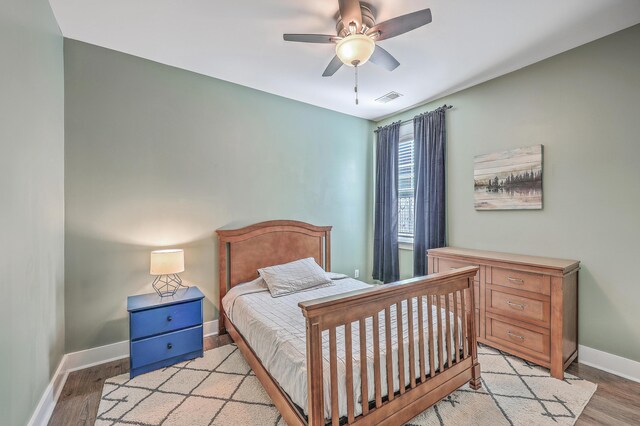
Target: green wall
x=32 y=213
x=584 y=107
x=161 y=157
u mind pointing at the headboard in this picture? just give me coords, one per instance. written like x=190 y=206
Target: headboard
x=245 y=250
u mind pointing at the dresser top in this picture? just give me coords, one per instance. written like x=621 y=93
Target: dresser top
x=564 y=265
x=152 y=300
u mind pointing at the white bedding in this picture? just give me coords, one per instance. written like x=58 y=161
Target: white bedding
x=275 y=330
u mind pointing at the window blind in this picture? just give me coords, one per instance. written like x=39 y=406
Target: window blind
x=406 y=182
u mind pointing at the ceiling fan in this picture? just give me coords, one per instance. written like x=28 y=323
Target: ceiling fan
x=357 y=34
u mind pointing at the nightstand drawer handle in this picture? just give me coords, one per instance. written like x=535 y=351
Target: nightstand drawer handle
x=516 y=305
x=516 y=280
x=515 y=335
x=169 y=318
x=169 y=346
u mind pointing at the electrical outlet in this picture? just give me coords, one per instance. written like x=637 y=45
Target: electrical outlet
x=356 y=274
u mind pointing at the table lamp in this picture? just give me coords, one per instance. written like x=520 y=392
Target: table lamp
x=166 y=265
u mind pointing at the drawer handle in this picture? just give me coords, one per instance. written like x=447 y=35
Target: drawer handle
x=169 y=345
x=515 y=335
x=516 y=305
x=169 y=318
x=516 y=280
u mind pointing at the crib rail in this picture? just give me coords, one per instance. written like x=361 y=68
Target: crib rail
x=449 y=345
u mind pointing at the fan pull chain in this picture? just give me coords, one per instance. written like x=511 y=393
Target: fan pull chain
x=356 y=86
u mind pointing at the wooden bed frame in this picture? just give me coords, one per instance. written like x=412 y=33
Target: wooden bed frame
x=243 y=251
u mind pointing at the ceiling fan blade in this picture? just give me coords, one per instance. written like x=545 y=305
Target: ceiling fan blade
x=384 y=59
x=333 y=66
x=401 y=24
x=309 y=38
x=350 y=11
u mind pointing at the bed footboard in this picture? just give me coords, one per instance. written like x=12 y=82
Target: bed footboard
x=451 y=345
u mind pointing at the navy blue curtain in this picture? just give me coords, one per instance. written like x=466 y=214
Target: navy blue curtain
x=386 y=267
x=430 y=138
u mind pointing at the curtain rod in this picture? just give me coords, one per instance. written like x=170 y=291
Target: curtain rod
x=445 y=106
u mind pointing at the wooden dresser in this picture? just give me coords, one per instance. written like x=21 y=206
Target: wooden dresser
x=525 y=305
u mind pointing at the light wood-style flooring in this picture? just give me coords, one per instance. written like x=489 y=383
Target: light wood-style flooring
x=616 y=402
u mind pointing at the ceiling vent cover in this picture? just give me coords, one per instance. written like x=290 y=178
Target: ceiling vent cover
x=388 y=97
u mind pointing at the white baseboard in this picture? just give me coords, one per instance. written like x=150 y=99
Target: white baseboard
x=89 y=357
x=210 y=328
x=50 y=396
x=614 y=364
x=84 y=359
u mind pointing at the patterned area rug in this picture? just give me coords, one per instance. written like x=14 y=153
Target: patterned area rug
x=221 y=389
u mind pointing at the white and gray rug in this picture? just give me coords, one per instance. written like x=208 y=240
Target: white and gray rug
x=221 y=389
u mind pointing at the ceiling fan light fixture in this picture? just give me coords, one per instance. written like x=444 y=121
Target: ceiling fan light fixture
x=355 y=49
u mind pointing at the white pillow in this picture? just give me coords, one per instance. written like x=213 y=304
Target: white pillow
x=336 y=276
x=294 y=276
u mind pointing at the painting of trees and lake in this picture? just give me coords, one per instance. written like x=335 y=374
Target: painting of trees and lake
x=509 y=180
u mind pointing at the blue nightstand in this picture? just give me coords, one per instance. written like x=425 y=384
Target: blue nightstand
x=164 y=330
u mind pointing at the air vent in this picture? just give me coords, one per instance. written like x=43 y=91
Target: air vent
x=388 y=97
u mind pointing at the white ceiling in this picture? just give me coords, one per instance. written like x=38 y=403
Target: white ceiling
x=468 y=42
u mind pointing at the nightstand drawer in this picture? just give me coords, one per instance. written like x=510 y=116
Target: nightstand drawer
x=166 y=346
x=165 y=319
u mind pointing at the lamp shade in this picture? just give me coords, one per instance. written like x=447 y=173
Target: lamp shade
x=355 y=49
x=167 y=262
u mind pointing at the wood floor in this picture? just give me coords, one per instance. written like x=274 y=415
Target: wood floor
x=616 y=402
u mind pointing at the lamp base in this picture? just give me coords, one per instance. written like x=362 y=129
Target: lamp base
x=167 y=285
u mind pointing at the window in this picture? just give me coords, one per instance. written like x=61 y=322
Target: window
x=406 y=184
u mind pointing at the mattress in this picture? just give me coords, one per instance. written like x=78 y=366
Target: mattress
x=275 y=329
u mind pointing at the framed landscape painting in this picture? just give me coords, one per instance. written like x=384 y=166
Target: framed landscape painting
x=509 y=180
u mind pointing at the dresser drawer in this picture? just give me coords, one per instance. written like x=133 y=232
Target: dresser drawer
x=166 y=346
x=522 y=339
x=527 y=281
x=537 y=310
x=445 y=265
x=165 y=319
